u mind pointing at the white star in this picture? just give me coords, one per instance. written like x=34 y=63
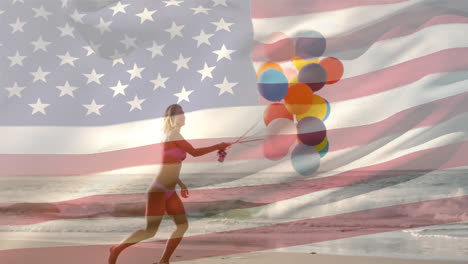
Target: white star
x=40 y=44
x=91 y=48
x=41 y=12
x=1 y=12
x=135 y=72
x=181 y=62
x=223 y=53
x=203 y=38
x=175 y=30
x=173 y=3
x=159 y=82
x=93 y=77
x=93 y=108
x=222 y=25
x=117 y=58
x=200 y=9
x=15 y=90
x=225 y=86
x=14 y=1
x=119 y=8
x=183 y=95
x=219 y=2
x=128 y=42
x=66 y=31
x=206 y=72
x=66 y=89
x=146 y=15
x=156 y=49
x=119 y=89
x=77 y=17
x=67 y=59
x=40 y=75
x=17 y=59
x=17 y=26
x=136 y=103
x=64 y=3
x=39 y=107
x=103 y=26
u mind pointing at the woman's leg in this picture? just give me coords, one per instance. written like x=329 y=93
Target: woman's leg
x=175 y=209
x=155 y=208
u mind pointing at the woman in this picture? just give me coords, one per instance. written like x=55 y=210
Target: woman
x=161 y=194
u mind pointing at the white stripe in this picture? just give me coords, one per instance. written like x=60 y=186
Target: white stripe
x=235 y=174
x=318 y=204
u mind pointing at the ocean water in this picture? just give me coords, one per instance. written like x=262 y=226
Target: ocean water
x=448 y=241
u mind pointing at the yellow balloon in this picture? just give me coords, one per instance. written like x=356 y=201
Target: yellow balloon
x=300 y=63
x=318 y=109
x=322 y=145
x=293 y=81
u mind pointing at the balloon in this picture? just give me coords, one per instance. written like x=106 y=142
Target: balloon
x=328 y=110
x=322 y=144
x=311 y=131
x=305 y=159
x=290 y=73
x=299 y=98
x=272 y=84
x=280 y=135
x=300 y=63
x=319 y=109
x=275 y=111
x=334 y=69
x=324 y=151
x=279 y=47
x=314 y=75
x=310 y=44
x=293 y=81
x=268 y=65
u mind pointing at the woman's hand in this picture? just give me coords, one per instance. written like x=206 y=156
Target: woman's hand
x=223 y=146
x=184 y=191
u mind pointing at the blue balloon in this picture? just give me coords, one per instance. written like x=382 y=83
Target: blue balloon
x=314 y=75
x=324 y=151
x=328 y=110
x=273 y=84
x=305 y=159
x=310 y=44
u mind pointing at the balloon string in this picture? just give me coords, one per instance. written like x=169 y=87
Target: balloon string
x=245 y=141
x=246 y=132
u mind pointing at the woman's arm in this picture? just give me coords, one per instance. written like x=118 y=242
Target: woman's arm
x=187 y=147
x=183 y=189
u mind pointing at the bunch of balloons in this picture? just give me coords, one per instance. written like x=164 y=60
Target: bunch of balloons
x=296 y=112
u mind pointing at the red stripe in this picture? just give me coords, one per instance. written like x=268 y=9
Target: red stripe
x=132 y=205
x=277 y=8
x=71 y=165
x=313 y=230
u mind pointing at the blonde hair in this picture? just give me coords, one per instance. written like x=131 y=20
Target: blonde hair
x=169 y=122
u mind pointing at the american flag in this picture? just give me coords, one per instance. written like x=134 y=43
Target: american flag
x=85 y=84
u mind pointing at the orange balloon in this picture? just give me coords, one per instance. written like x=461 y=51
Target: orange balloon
x=268 y=65
x=299 y=98
x=334 y=69
x=275 y=111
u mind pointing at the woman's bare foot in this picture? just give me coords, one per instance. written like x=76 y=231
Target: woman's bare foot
x=112 y=255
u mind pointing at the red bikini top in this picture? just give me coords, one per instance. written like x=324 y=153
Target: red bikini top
x=173 y=153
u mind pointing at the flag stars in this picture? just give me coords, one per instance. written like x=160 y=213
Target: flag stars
x=135 y=72
x=67 y=59
x=135 y=103
x=225 y=87
x=183 y=95
x=146 y=15
x=39 y=107
x=119 y=89
x=93 y=77
x=40 y=44
x=156 y=49
x=17 y=59
x=77 y=17
x=93 y=108
x=66 y=31
x=41 y=12
x=200 y=10
x=40 y=75
x=173 y=3
x=182 y=62
x=17 y=26
x=206 y=72
x=222 y=25
x=103 y=26
x=66 y=89
x=219 y=2
x=223 y=53
x=128 y=42
x=175 y=30
x=117 y=58
x=91 y=48
x=119 y=8
x=15 y=90
x=203 y=38
x=159 y=82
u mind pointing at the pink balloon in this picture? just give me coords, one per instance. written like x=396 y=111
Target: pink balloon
x=281 y=135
